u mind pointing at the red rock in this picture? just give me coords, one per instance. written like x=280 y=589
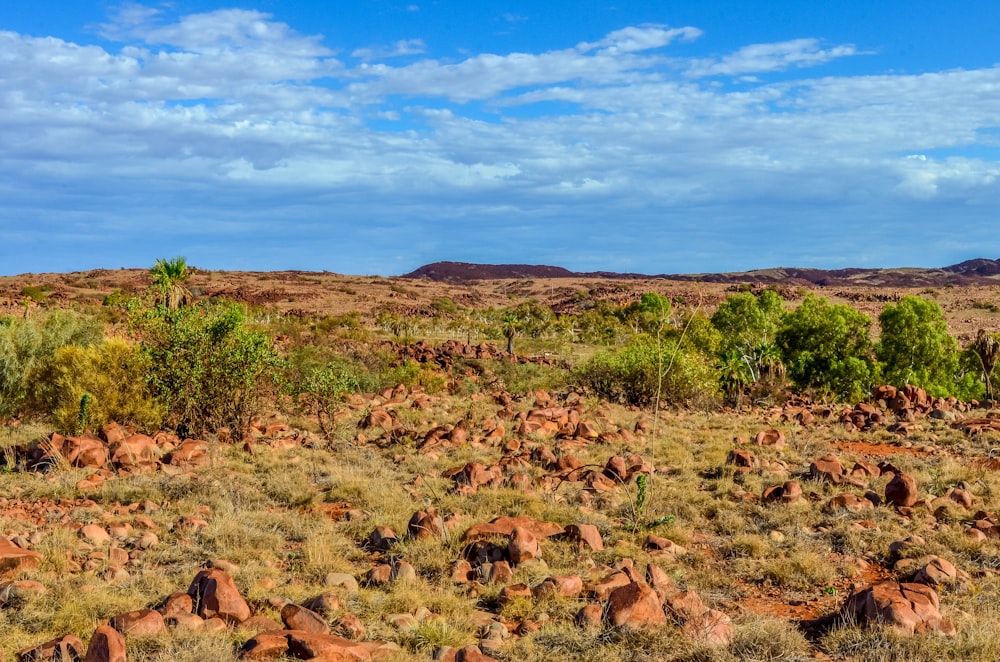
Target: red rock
x=462 y=573
x=380 y=575
x=775 y=438
x=506 y=525
x=909 y=608
x=324 y=603
x=265 y=646
x=296 y=617
x=616 y=469
x=190 y=453
x=192 y=623
x=352 y=626
x=742 y=459
x=13 y=559
x=508 y=593
x=215 y=595
x=586 y=536
x=403 y=571
x=381 y=539
x=567 y=586
x=787 y=493
x=94 y=534
x=311 y=645
x=106 y=645
x=499 y=572
x=685 y=606
x=177 y=603
x=425 y=524
x=902 y=490
x=828 y=468
x=850 y=502
x=522 y=546
x=936 y=571
x=135 y=450
x=713 y=628
x=603 y=588
x=140 y=623
x=590 y=616
x=634 y=606
x=67 y=647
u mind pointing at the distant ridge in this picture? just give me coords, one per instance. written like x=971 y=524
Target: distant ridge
x=971 y=272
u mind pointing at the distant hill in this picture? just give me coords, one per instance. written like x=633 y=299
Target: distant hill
x=971 y=272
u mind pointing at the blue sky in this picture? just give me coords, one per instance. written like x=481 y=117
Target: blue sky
x=370 y=137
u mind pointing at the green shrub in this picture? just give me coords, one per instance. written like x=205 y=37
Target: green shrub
x=633 y=374
x=916 y=348
x=30 y=345
x=112 y=373
x=827 y=348
x=37 y=293
x=207 y=367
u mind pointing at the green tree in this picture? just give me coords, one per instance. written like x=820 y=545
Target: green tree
x=319 y=383
x=916 y=348
x=110 y=376
x=827 y=348
x=650 y=314
x=168 y=282
x=748 y=325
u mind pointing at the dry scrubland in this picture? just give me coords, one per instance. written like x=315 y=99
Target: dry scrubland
x=645 y=532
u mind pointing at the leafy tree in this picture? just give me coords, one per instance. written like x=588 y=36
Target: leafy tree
x=319 y=383
x=827 y=348
x=110 y=376
x=748 y=325
x=647 y=315
x=168 y=281
x=916 y=348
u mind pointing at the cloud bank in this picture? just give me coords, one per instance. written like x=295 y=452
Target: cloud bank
x=236 y=140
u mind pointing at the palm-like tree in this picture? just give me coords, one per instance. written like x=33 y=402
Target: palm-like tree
x=168 y=278
x=734 y=375
x=987 y=348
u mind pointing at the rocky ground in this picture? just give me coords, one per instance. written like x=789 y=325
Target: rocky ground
x=512 y=527
x=470 y=522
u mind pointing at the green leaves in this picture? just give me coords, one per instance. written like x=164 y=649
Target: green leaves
x=207 y=365
x=827 y=348
x=916 y=347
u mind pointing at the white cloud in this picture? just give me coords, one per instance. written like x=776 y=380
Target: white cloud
x=240 y=120
x=398 y=49
x=760 y=58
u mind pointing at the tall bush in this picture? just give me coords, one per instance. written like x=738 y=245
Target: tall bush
x=916 y=348
x=827 y=348
x=633 y=373
x=207 y=366
x=111 y=373
x=29 y=345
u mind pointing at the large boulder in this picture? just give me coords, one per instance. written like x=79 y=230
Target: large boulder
x=215 y=595
x=635 y=606
x=909 y=608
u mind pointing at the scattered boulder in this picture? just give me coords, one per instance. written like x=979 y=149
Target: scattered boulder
x=215 y=596
x=907 y=607
x=106 y=645
x=634 y=606
x=902 y=490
